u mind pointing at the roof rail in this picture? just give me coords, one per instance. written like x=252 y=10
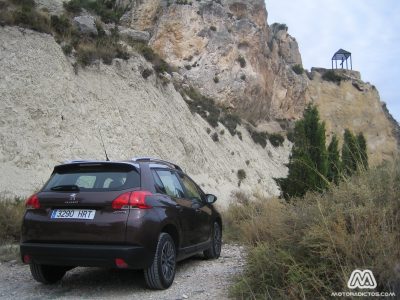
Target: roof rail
x=156 y=160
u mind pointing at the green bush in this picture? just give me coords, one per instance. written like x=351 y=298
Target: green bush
x=241 y=175
x=331 y=76
x=108 y=10
x=241 y=61
x=73 y=6
x=307 y=249
x=231 y=121
x=29 y=18
x=203 y=106
x=259 y=137
x=298 y=69
x=67 y=49
x=215 y=137
x=60 y=25
x=276 y=139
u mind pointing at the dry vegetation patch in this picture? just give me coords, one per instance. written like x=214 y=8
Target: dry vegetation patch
x=308 y=247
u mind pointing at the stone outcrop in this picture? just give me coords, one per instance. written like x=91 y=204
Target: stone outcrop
x=49 y=114
x=230 y=41
x=228 y=51
x=356 y=105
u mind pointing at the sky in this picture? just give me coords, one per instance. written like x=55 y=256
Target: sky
x=369 y=29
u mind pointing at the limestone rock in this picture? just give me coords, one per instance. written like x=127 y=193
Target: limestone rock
x=135 y=35
x=86 y=24
x=49 y=114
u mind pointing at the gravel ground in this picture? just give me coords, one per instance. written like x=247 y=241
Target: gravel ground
x=196 y=278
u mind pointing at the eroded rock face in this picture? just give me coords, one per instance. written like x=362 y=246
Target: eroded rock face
x=227 y=50
x=356 y=105
x=49 y=114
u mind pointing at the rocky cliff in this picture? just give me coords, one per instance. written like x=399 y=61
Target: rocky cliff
x=49 y=114
x=227 y=50
x=223 y=48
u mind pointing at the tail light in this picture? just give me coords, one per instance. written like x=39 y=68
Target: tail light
x=32 y=202
x=130 y=200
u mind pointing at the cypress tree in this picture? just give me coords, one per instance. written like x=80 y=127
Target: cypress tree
x=334 y=164
x=308 y=163
x=349 y=153
x=362 y=151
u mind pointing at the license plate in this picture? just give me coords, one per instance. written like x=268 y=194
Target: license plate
x=85 y=214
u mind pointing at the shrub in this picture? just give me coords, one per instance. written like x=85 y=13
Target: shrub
x=203 y=106
x=67 y=49
x=298 y=69
x=258 y=137
x=215 y=137
x=307 y=249
x=26 y=3
x=239 y=134
x=276 y=139
x=213 y=28
x=11 y=213
x=216 y=79
x=241 y=175
x=183 y=2
x=108 y=10
x=72 y=6
x=222 y=132
x=241 y=61
x=146 y=73
x=330 y=75
x=60 y=25
x=29 y=18
x=231 y=121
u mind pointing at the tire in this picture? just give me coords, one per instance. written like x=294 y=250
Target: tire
x=161 y=273
x=47 y=274
x=215 y=249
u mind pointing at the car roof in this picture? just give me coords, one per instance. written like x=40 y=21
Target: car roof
x=153 y=162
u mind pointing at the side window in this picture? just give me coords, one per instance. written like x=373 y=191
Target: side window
x=170 y=182
x=191 y=189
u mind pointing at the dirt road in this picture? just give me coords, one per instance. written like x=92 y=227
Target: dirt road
x=196 y=278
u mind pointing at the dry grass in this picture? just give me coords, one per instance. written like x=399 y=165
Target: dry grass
x=308 y=248
x=11 y=213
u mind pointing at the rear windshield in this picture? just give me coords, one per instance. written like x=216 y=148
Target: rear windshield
x=92 y=179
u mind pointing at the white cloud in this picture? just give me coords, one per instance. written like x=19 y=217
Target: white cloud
x=367 y=28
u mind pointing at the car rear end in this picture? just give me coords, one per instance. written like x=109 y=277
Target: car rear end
x=81 y=215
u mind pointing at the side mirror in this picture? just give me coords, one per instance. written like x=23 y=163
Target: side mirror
x=210 y=198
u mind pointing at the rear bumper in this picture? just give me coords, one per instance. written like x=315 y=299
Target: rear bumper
x=87 y=255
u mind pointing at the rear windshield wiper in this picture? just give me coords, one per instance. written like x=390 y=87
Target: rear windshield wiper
x=71 y=187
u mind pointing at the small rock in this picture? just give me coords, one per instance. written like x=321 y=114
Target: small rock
x=86 y=24
x=136 y=35
x=185 y=296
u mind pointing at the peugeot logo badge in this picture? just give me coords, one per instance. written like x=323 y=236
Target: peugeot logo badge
x=72 y=197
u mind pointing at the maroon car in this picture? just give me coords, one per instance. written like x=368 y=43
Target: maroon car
x=139 y=214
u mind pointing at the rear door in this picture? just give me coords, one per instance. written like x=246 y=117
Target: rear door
x=202 y=217
x=170 y=185
x=75 y=205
